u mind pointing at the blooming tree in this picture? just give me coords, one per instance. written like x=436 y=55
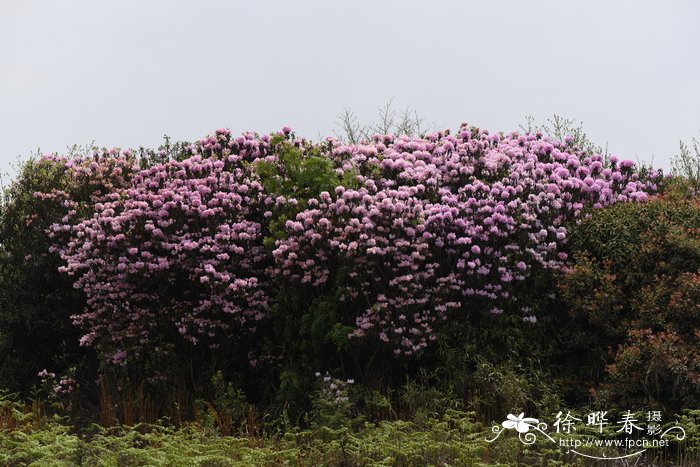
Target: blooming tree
x=422 y=229
x=179 y=250
x=439 y=222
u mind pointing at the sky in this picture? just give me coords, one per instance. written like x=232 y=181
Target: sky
x=125 y=73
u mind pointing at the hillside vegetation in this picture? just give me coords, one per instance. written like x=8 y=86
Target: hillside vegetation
x=267 y=299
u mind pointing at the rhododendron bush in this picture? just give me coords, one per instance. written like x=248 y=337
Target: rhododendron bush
x=440 y=221
x=178 y=250
x=412 y=233
x=36 y=302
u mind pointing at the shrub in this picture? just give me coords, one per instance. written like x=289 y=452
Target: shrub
x=444 y=226
x=262 y=254
x=634 y=298
x=686 y=165
x=35 y=300
x=178 y=253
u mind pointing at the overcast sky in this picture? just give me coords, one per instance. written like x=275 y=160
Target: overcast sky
x=123 y=73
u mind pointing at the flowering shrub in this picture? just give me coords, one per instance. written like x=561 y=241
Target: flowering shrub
x=179 y=250
x=331 y=403
x=408 y=230
x=446 y=223
x=36 y=301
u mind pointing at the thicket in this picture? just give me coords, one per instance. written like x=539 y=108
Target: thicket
x=634 y=293
x=265 y=282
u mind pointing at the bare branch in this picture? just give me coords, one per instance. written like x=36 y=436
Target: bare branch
x=687 y=163
x=350 y=130
x=406 y=122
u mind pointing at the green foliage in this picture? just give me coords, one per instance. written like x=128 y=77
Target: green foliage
x=634 y=300
x=298 y=175
x=420 y=400
x=302 y=172
x=331 y=404
x=229 y=411
x=453 y=438
x=35 y=300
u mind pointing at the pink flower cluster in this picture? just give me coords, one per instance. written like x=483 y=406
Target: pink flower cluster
x=180 y=249
x=446 y=223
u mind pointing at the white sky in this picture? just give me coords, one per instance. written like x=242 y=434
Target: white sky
x=123 y=73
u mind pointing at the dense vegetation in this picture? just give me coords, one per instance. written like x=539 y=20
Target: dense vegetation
x=328 y=297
